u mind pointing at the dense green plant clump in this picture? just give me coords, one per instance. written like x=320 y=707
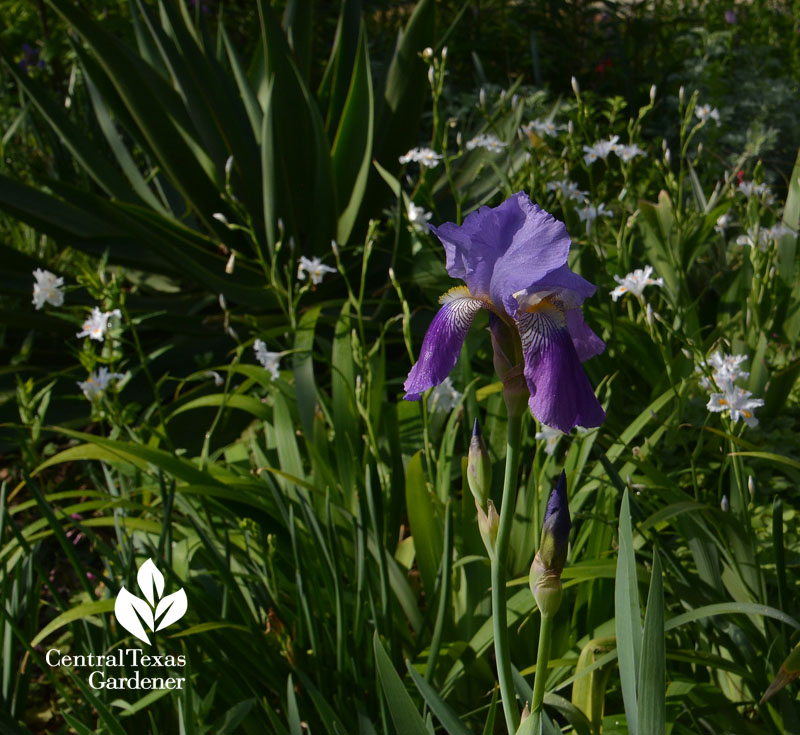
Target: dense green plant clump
x=218 y=272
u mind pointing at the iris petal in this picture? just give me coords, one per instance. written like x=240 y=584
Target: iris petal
x=443 y=341
x=561 y=395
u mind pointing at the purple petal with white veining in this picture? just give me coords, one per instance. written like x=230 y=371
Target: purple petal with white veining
x=561 y=395
x=443 y=341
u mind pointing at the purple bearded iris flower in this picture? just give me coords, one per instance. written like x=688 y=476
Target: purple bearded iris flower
x=513 y=259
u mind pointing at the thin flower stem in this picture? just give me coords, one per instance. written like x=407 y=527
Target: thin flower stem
x=499 y=616
x=542 y=659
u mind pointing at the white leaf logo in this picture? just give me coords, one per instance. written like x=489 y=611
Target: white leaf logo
x=131 y=610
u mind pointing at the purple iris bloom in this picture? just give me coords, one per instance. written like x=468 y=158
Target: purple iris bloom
x=30 y=57
x=513 y=259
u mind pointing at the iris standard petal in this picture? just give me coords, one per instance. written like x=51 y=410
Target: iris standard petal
x=443 y=341
x=537 y=248
x=561 y=395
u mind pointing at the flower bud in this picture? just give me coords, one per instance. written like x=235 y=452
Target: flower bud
x=427 y=54
x=431 y=75
x=725 y=504
x=751 y=487
x=545 y=574
x=444 y=53
x=488 y=523
x=231 y=262
x=228 y=167
x=482 y=97
x=220 y=217
x=648 y=315
x=575 y=87
x=652 y=93
x=479 y=467
x=222 y=303
x=680 y=95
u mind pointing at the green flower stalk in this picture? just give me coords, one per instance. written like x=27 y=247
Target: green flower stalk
x=545 y=578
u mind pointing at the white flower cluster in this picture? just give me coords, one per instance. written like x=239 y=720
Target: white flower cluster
x=760 y=236
x=269 y=360
x=751 y=189
x=549 y=435
x=418 y=217
x=47 y=289
x=569 y=190
x=487 y=142
x=737 y=401
x=96 y=326
x=444 y=397
x=635 y=282
x=423 y=156
x=603 y=148
x=707 y=112
x=314 y=268
x=543 y=127
x=589 y=214
x=98 y=382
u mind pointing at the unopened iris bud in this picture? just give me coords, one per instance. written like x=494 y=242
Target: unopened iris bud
x=545 y=575
x=488 y=523
x=479 y=468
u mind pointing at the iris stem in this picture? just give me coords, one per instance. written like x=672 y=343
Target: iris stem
x=542 y=659
x=499 y=613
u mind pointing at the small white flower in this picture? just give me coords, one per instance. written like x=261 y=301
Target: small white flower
x=444 y=397
x=738 y=402
x=220 y=217
x=589 y=214
x=569 y=190
x=313 y=268
x=601 y=149
x=707 y=112
x=218 y=381
x=726 y=370
x=96 y=326
x=778 y=230
x=629 y=152
x=543 y=127
x=755 y=237
x=269 y=360
x=549 y=435
x=423 y=156
x=488 y=142
x=418 y=217
x=750 y=188
x=97 y=382
x=47 y=289
x=635 y=282
x=723 y=222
